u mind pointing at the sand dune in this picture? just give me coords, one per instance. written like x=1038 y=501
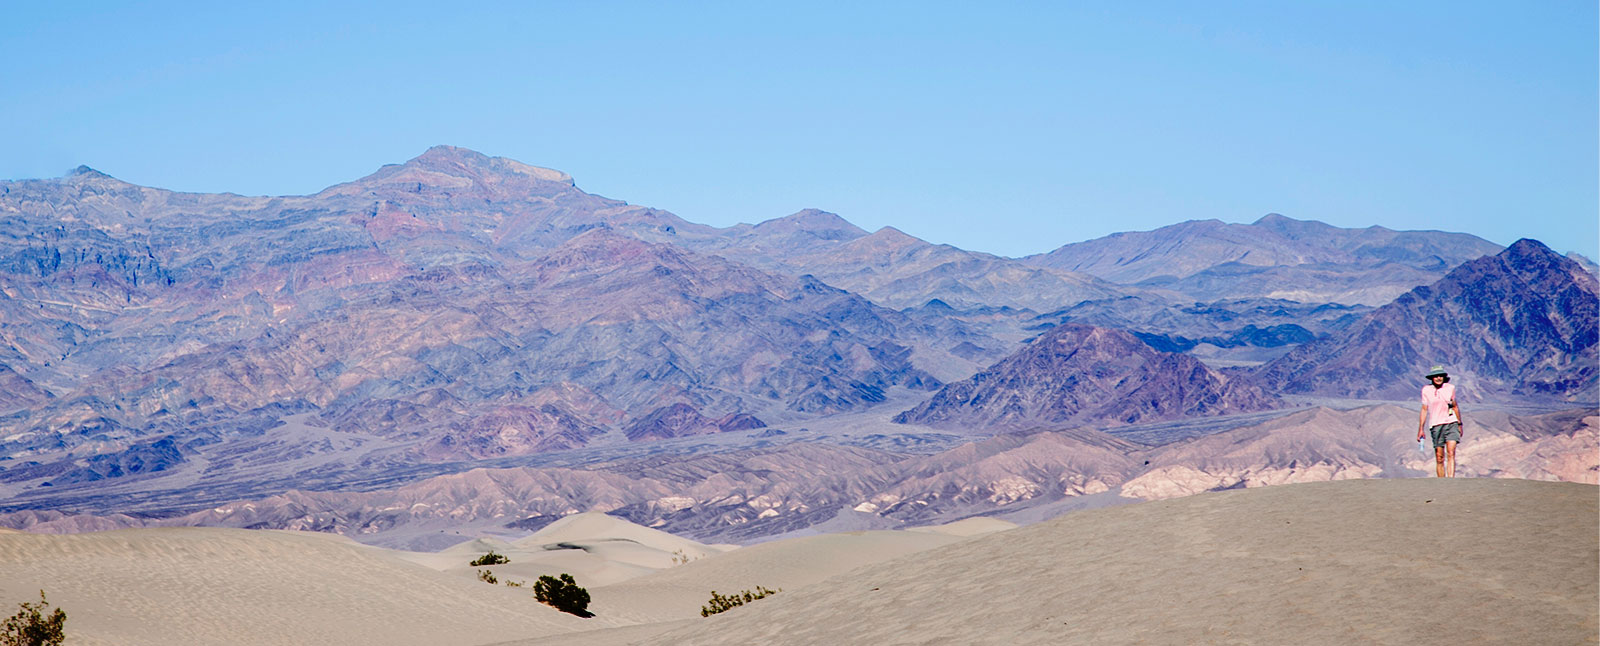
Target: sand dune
x=672 y=598
x=174 y=586
x=976 y=526
x=595 y=548
x=1319 y=563
x=630 y=542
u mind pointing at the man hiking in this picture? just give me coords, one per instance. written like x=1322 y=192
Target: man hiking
x=1441 y=418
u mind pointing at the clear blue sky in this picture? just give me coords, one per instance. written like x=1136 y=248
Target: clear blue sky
x=1008 y=127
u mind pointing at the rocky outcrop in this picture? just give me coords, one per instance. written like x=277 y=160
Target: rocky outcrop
x=514 y=430
x=1080 y=374
x=17 y=392
x=683 y=420
x=143 y=458
x=1003 y=470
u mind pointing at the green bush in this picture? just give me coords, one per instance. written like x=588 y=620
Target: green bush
x=563 y=594
x=490 y=559
x=31 y=627
x=721 y=603
x=487 y=577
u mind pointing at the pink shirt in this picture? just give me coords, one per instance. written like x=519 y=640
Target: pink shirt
x=1438 y=402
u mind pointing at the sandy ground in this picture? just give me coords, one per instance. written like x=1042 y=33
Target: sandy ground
x=230 y=586
x=669 y=598
x=594 y=548
x=1421 y=561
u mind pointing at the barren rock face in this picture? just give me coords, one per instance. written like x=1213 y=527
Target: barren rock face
x=1083 y=374
x=442 y=302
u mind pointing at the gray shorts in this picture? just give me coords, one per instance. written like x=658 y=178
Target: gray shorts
x=1445 y=433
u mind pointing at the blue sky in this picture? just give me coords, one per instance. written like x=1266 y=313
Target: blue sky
x=1011 y=128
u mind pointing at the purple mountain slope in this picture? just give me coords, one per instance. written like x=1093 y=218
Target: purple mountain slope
x=1081 y=374
x=469 y=306
x=1519 y=324
x=639 y=325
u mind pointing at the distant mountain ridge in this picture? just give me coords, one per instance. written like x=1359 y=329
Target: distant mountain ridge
x=1522 y=323
x=1274 y=257
x=900 y=271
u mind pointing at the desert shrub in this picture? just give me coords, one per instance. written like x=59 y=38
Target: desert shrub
x=490 y=559
x=488 y=577
x=679 y=557
x=562 y=594
x=720 y=603
x=32 y=626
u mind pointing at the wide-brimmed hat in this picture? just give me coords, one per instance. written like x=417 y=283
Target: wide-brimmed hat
x=1437 y=371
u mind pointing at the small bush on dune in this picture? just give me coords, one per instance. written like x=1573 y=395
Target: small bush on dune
x=487 y=576
x=490 y=559
x=720 y=603
x=31 y=626
x=563 y=594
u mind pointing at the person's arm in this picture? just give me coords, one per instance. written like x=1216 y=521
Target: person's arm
x=1422 y=422
x=1460 y=419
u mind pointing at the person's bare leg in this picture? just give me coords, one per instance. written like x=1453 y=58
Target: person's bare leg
x=1438 y=459
x=1450 y=459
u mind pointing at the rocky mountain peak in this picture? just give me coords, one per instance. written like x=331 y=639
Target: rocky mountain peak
x=1527 y=261
x=895 y=237
x=89 y=177
x=1529 y=251
x=454 y=169
x=819 y=223
x=87 y=172
x=1292 y=228
x=465 y=162
x=887 y=240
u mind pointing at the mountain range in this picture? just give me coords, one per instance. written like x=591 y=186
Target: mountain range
x=1521 y=324
x=1274 y=257
x=164 y=353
